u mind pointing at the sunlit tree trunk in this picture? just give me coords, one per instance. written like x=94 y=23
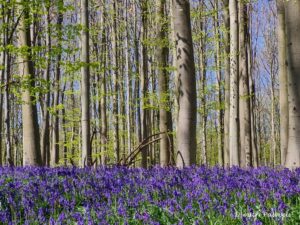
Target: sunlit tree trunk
x=85 y=86
x=292 y=16
x=283 y=94
x=227 y=81
x=31 y=136
x=187 y=102
x=234 y=88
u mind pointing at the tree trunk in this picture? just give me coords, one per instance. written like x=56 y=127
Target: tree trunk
x=103 y=90
x=283 y=93
x=292 y=16
x=220 y=125
x=54 y=154
x=128 y=81
x=254 y=134
x=115 y=78
x=203 y=83
x=144 y=83
x=227 y=82
x=165 y=116
x=31 y=136
x=85 y=86
x=244 y=98
x=187 y=99
x=45 y=133
x=234 y=91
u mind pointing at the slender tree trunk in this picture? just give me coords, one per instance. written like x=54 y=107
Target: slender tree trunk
x=45 y=133
x=2 y=79
x=31 y=136
x=234 y=88
x=187 y=99
x=292 y=16
x=283 y=94
x=144 y=83
x=165 y=116
x=137 y=80
x=227 y=82
x=254 y=134
x=85 y=86
x=203 y=88
x=6 y=77
x=115 y=78
x=273 y=131
x=103 y=90
x=220 y=125
x=128 y=80
x=54 y=154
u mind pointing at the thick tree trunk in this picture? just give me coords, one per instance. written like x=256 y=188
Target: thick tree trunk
x=292 y=16
x=85 y=86
x=244 y=98
x=234 y=88
x=283 y=94
x=31 y=136
x=187 y=100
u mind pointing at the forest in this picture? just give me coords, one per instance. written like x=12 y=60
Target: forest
x=164 y=111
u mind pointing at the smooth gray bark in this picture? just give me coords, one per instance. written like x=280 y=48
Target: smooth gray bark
x=187 y=101
x=165 y=118
x=31 y=136
x=283 y=93
x=234 y=88
x=292 y=17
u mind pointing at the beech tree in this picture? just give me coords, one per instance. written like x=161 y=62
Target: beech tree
x=31 y=136
x=186 y=130
x=284 y=119
x=85 y=86
x=244 y=98
x=234 y=91
x=292 y=23
x=165 y=117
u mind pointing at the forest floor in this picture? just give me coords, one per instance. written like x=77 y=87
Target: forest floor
x=120 y=195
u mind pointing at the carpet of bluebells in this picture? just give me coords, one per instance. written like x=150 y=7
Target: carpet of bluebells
x=119 y=195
